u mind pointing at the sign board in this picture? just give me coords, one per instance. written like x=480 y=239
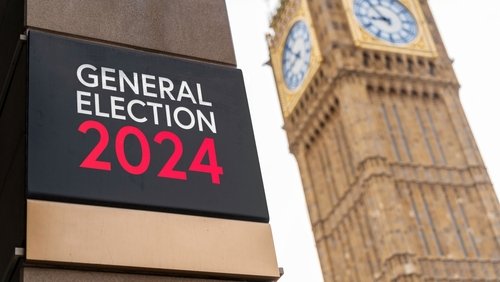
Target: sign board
x=127 y=128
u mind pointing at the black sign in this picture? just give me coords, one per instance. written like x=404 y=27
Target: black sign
x=127 y=128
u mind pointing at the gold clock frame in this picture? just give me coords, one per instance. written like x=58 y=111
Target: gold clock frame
x=289 y=98
x=422 y=45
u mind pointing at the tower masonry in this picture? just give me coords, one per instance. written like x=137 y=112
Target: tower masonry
x=394 y=182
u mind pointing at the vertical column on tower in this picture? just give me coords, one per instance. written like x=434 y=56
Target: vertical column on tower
x=373 y=174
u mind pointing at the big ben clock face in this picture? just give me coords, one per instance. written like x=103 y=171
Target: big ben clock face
x=390 y=26
x=296 y=56
x=388 y=20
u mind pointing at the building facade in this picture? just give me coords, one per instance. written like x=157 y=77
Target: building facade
x=53 y=54
x=394 y=182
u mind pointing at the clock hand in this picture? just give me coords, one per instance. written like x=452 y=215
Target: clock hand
x=295 y=55
x=374 y=8
x=291 y=64
x=294 y=59
x=297 y=59
x=381 y=16
x=385 y=19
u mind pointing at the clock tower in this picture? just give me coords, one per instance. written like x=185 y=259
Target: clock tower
x=394 y=182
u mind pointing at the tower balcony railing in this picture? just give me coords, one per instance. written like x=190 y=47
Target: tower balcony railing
x=394 y=64
x=446 y=175
x=466 y=269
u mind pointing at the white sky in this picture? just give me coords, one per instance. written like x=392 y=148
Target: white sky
x=468 y=30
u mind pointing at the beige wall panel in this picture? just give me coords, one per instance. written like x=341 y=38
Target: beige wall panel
x=193 y=28
x=60 y=232
x=33 y=274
